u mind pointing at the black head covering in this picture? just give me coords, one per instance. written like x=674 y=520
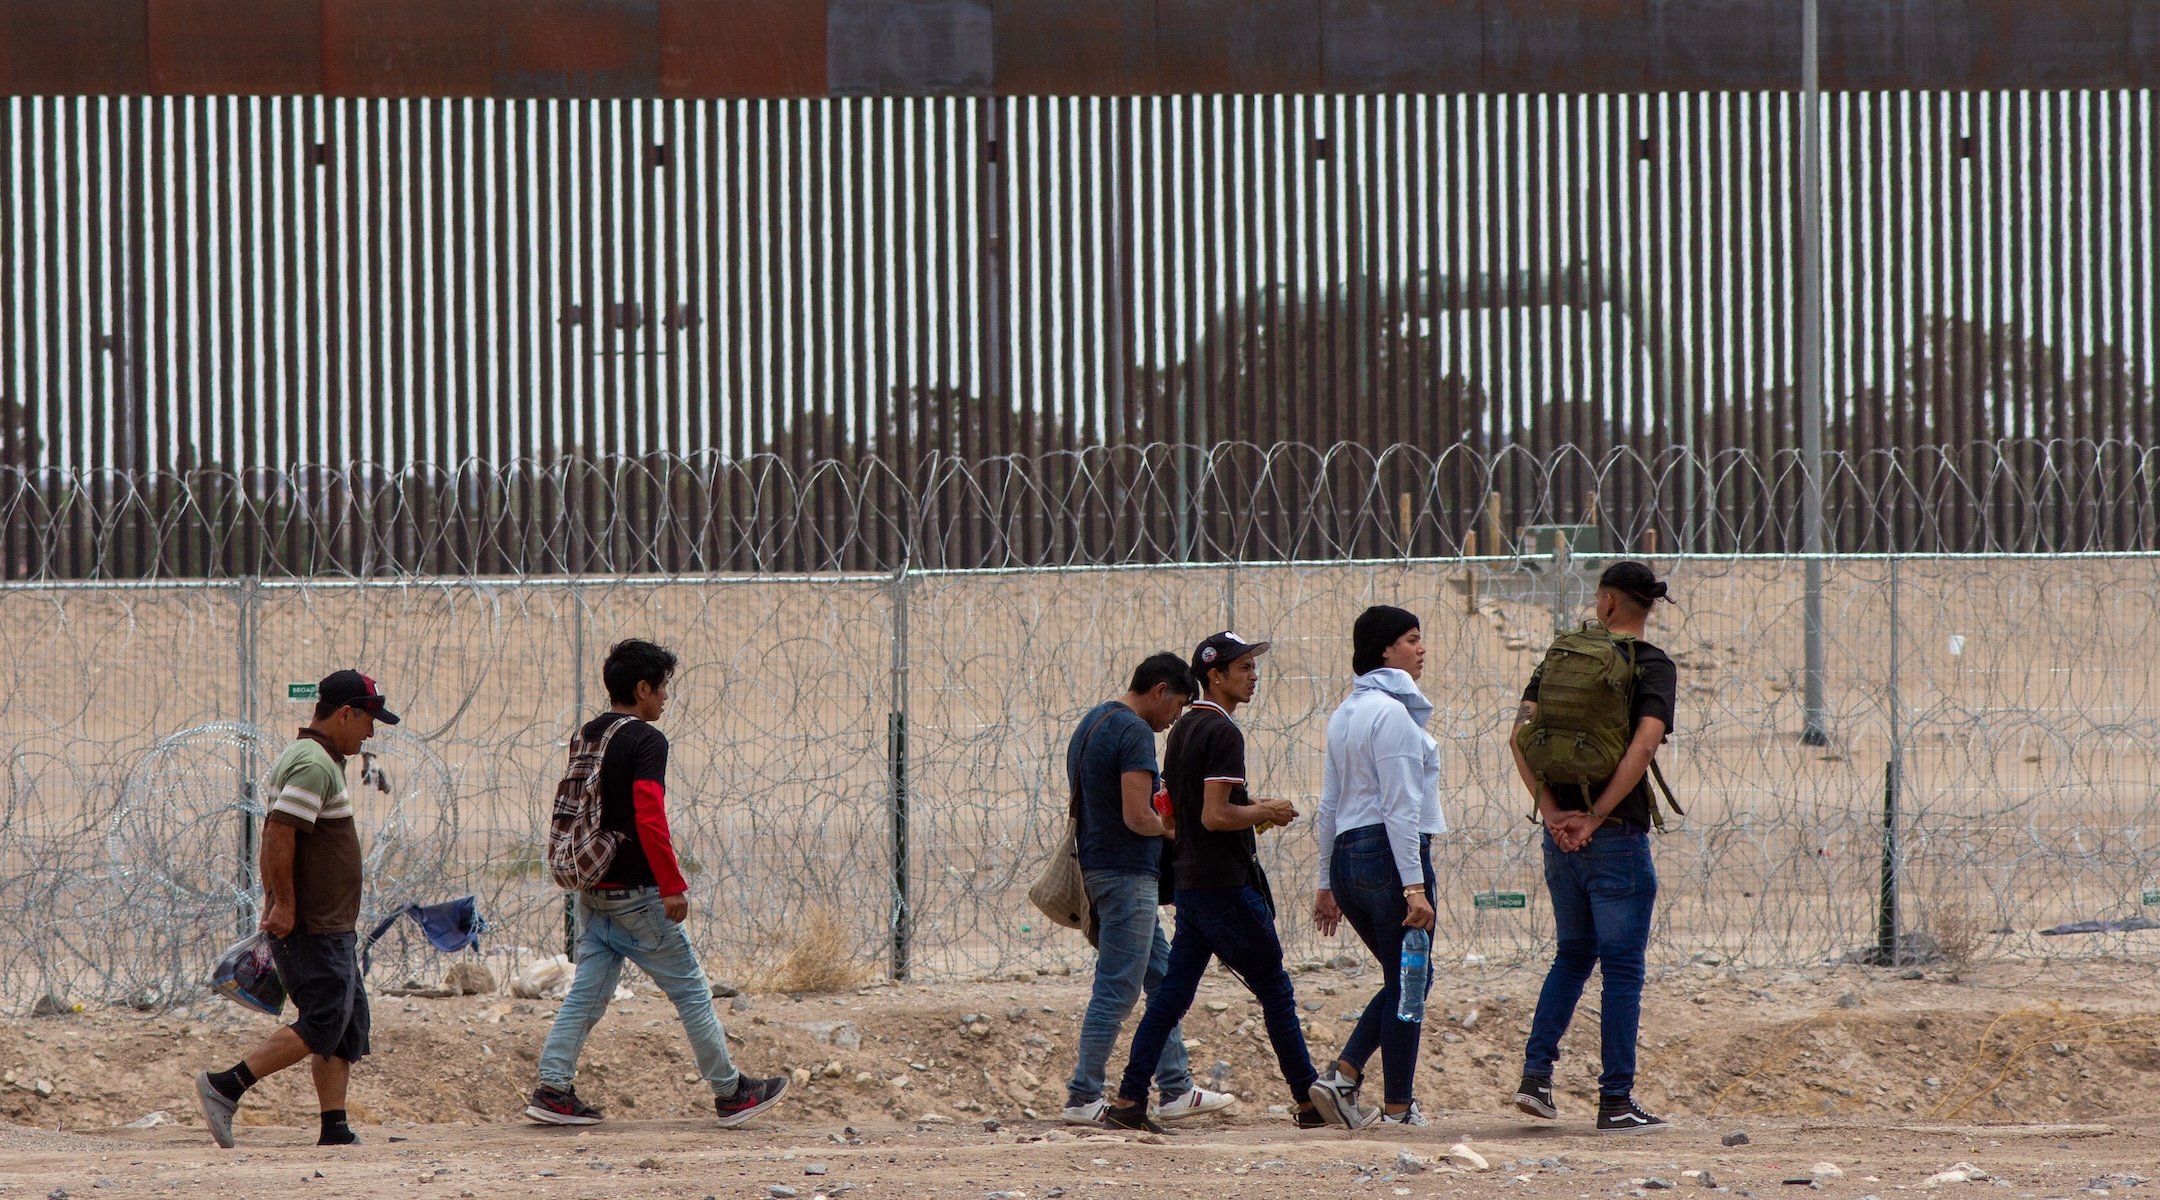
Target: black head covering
x=1378 y=628
x=1634 y=580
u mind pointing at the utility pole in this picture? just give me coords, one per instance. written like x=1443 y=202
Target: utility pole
x=1816 y=730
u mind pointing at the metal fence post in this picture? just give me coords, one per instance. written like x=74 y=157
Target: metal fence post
x=1887 y=951
x=903 y=916
x=249 y=600
x=577 y=719
x=1816 y=724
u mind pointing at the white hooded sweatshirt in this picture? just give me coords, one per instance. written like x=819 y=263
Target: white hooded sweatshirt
x=1382 y=768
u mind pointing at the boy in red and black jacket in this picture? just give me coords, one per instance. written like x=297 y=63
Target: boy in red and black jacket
x=637 y=911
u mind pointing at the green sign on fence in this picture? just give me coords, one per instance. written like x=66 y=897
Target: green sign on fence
x=300 y=691
x=1499 y=900
x=2152 y=896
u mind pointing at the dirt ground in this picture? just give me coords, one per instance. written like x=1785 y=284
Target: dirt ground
x=2046 y=1078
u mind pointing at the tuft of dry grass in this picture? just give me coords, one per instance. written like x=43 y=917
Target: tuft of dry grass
x=822 y=958
x=1958 y=931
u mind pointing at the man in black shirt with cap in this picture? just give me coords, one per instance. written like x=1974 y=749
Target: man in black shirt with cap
x=1224 y=908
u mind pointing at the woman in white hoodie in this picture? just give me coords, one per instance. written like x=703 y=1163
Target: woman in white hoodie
x=1379 y=810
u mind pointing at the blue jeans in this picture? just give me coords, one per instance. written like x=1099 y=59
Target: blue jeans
x=1236 y=926
x=1131 y=955
x=629 y=923
x=1602 y=895
x=1369 y=890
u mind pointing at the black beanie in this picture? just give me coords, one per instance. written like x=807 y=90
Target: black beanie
x=1377 y=628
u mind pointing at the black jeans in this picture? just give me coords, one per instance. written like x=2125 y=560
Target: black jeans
x=1236 y=926
x=1369 y=890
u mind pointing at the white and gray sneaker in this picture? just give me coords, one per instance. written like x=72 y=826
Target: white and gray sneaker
x=217 y=1111
x=1409 y=1116
x=1090 y=1113
x=1193 y=1103
x=1336 y=1099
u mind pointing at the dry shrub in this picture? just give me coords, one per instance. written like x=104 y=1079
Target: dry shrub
x=822 y=959
x=1958 y=932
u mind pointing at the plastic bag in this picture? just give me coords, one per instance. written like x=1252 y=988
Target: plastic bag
x=246 y=974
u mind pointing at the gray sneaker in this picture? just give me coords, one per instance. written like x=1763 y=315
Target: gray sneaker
x=217 y=1111
x=1335 y=1098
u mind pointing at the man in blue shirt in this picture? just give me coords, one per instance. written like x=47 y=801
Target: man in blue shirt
x=1111 y=760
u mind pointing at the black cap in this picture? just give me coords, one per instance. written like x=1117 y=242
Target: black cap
x=352 y=689
x=1220 y=650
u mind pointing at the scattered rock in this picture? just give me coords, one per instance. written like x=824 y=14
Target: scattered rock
x=992 y=1125
x=1461 y=1155
x=1469 y=1021
x=468 y=978
x=647 y=1163
x=49 y=1005
x=1849 y=1000
x=780 y=1191
x=725 y=991
x=152 y=1120
x=815 y=1168
x=1963 y=1172
x=58 y=1193
x=1912 y=975
x=1408 y=1163
x=739 y=1003
x=1658 y=1185
x=1737 y=1137
x=800 y=1077
x=931 y=1118
x=1827 y=1170
x=2060 y=1048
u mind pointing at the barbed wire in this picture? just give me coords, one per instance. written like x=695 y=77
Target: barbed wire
x=1109 y=505
x=142 y=716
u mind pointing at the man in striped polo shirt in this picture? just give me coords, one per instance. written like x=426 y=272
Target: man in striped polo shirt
x=311 y=889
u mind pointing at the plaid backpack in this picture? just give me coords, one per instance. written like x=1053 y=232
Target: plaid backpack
x=579 y=850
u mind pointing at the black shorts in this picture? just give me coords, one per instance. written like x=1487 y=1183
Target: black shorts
x=321 y=972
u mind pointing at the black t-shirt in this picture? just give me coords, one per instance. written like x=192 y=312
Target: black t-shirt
x=1657 y=689
x=637 y=753
x=1206 y=745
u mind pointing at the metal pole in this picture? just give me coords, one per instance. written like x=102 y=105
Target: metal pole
x=896 y=754
x=577 y=718
x=1886 y=913
x=1816 y=730
x=246 y=917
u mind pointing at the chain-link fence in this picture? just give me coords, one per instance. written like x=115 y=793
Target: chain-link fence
x=826 y=727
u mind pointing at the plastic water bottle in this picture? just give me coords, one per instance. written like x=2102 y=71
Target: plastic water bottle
x=1416 y=969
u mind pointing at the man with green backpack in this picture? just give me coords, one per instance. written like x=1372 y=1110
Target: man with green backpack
x=1585 y=742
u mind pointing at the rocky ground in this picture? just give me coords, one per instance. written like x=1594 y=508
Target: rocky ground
x=2045 y=1078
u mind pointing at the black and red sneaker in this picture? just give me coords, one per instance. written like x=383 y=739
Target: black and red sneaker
x=752 y=1096
x=560 y=1106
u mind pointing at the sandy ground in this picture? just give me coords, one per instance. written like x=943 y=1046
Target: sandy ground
x=2047 y=1079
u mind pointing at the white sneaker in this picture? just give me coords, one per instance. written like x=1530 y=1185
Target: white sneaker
x=1090 y=1113
x=1409 y=1116
x=1193 y=1103
x=1336 y=1098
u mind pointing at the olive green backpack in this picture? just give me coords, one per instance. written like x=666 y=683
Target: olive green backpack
x=1581 y=730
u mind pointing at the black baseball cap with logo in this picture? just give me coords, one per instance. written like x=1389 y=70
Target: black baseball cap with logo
x=1222 y=649
x=351 y=688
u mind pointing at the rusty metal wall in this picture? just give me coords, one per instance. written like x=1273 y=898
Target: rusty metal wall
x=261 y=283
x=706 y=49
